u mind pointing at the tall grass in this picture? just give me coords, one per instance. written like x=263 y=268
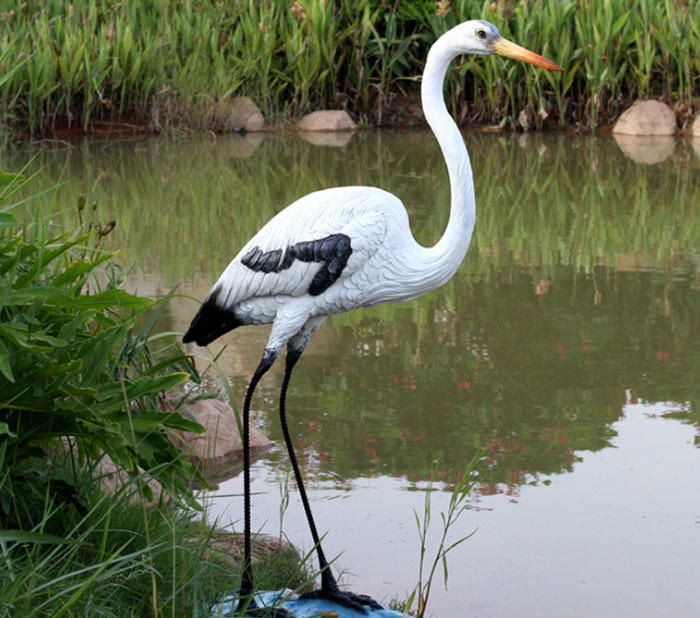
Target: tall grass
x=177 y=63
x=117 y=557
x=80 y=379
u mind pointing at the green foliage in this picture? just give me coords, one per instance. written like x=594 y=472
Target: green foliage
x=170 y=64
x=117 y=557
x=457 y=506
x=79 y=381
x=74 y=363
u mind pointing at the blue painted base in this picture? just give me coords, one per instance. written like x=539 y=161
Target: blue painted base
x=299 y=608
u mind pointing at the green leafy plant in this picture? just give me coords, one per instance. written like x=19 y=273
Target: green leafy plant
x=456 y=507
x=75 y=367
x=121 y=557
x=177 y=64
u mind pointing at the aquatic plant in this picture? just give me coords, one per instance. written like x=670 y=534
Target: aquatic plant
x=81 y=379
x=457 y=505
x=167 y=65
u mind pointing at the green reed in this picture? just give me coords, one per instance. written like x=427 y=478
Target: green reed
x=172 y=64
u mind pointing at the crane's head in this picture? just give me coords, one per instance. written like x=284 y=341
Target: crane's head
x=481 y=37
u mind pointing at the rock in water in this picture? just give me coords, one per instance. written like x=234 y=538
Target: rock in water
x=221 y=444
x=647 y=118
x=327 y=120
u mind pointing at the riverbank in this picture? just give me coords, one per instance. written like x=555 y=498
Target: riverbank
x=170 y=67
x=98 y=505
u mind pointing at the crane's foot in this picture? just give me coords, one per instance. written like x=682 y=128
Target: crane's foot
x=357 y=602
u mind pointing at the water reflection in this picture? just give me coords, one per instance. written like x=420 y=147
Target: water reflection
x=650 y=149
x=536 y=373
x=544 y=200
x=582 y=283
x=578 y=301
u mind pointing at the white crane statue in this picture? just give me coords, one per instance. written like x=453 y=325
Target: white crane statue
x=338 y=249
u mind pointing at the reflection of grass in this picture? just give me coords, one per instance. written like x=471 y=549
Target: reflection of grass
x=183 y=209
x=486 y=347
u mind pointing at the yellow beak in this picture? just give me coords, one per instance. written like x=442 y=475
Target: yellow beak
x=504 y=47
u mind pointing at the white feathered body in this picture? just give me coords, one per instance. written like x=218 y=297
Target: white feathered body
x=386 y=263
x=278 y=278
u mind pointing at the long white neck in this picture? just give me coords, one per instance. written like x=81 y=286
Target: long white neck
x=445 y=257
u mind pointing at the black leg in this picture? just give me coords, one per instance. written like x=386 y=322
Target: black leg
x=246 y=601
x=329 y=587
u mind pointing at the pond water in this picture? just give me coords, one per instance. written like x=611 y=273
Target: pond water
x=567 y=346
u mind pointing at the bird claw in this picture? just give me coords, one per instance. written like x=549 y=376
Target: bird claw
x=350 y=600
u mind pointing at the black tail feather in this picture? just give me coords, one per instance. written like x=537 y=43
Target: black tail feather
x=210 y=322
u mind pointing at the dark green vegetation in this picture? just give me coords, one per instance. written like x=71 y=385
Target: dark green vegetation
x=114 y=557
x=74 y=362
x=80 y=379
x=176 y=64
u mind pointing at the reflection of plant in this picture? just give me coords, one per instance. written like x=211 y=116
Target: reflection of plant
x=457 y=505
x=531 y=334
x=74 y=365
x=563 y=201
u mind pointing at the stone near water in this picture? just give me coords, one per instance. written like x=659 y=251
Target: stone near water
x=695 y=131
x=327 y=120
x=239 y=114
x=647 y=118
x=221 y=443
x=228 y=547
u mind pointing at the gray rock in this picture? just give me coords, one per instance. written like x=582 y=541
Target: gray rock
x=327 y=120
x=221 y=445
x=695 y=131
x=239 y=114
x=647 y=118
x=229 y=547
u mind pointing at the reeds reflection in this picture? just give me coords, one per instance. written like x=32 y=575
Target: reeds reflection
x=581 y=287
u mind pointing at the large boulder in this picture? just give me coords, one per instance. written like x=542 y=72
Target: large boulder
x=327 y=120
x=220 y=446
x=239 y=114
x=695 y=131
x=647 y=118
